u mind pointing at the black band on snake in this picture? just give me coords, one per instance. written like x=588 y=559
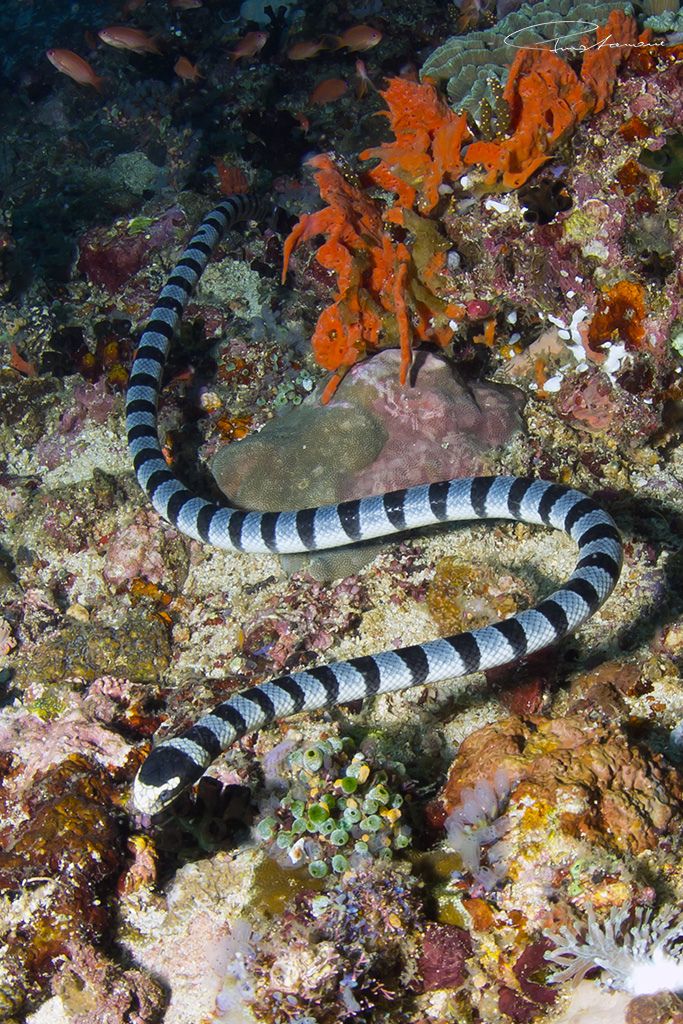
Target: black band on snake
x=178 y=762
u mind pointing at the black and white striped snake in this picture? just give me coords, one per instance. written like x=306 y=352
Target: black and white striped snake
x=178 y=762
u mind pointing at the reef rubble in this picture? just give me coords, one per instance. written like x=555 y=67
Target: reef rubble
x=518 y=265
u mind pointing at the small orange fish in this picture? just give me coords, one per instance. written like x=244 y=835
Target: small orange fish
x=303 y=122
x=360 y=37
x=184 y=5
x=69 y=63
x=186 y=70
x=363 y=83
x=305 y=49
x=124 y=38
x=328 y=90
x=131 y=6
x=249 y=46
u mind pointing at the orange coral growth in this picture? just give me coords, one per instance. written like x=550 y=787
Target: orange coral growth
x=630 y=176
x=547 y=99
x=429 y=137
x=386 y=295
x=233 y=428
x=613 y=45
x=488 y=338
x=620 y=314
x=231 y=178
x=18 y=363
x=634 y=128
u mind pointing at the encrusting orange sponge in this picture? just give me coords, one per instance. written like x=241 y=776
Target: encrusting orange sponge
x=390 y=295
x=429 y=138
x=547 y=99
x=385 y=297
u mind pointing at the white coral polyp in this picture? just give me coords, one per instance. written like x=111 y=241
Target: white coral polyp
x=477 y=822
x=641 y=958
x=660 y=974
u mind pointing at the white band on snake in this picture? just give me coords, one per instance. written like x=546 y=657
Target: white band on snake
x=178 y=762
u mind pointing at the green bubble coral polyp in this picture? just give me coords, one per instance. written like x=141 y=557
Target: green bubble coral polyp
x=340 y=808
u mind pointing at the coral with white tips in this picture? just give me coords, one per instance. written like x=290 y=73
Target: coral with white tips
x=640 y=952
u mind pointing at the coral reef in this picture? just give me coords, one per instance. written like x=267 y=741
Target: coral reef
x=426 y=151
x=93 y=990
x=470 y=63
x=339 y=810
x=110 y=257
x=460 y=596
x=564 y=809
x=59 y=860
x=357 y=443
x=144 y=549
x=137 y=647
x=113 y=628
x=637 y=950
x=445 y=951
x=389 y=294
x=583 y=784
x=349 y=950
x=668 y=159
x=547 y=99
x=478 y=822
x=386 y=296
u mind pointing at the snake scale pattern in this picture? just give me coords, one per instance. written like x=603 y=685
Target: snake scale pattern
x=178 y=762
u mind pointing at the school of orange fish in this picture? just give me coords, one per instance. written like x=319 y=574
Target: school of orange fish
x=356 y=39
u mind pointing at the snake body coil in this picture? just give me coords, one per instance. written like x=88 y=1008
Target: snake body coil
x=178 y=762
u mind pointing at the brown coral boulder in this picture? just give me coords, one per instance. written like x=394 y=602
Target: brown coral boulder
x=373 y=436
x=575 y=778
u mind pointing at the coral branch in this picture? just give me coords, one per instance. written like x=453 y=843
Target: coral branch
x=386 y=295
x=547 y=99
x=429 y=138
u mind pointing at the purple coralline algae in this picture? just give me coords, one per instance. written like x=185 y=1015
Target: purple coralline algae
x=109 y=258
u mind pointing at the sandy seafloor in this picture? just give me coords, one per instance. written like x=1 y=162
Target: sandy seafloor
x=113 y=627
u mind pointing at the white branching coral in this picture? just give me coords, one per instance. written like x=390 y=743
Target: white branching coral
x=640 y=952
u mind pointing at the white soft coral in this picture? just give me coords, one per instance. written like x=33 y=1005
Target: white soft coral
x=478 y=822
x=640 y=952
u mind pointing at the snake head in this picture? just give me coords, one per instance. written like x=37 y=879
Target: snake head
x=171 y=767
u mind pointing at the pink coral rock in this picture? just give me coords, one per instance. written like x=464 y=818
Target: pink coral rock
x=145 y=548
x=381 y=436
x=374 y=435
x=609 y=792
